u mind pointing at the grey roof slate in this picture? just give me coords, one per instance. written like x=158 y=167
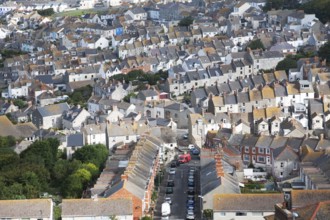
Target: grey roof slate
x=75 y=140
x=55 y=109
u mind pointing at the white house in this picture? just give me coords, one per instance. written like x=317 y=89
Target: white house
x=4 y=33
x=95 y=133
x=124 y=133
x=240 y=8
x=49 y=116
x=136 y=14
x=75 y=117
x=87 y=4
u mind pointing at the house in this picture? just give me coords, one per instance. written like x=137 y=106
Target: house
x=148 y=95
x=7 y=107
x=33 y=209
x=75 y=117
x=178 y=112
x=198 y=127
x=285 y=162
x=136 y=14
x=124 y=132
x=240 y=8
x=244 y=206
x=74 y=142
x=22 y=130
x=95 y=133
x=121 y=208
x=49 y=116
x=137 y=181
x=306 y=204
x=217 y=177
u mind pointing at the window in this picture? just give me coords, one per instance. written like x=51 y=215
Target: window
x=93 y=136
x=306 y=94
x=246 y=157
x=267 y=151
x=127 y=138
x=281 y=174
x=276 y=125
x=261 y=150
x=317 y=121
x=241 y=213
x=282 y=164
x=261 y=159
x=254 y=150
x=268 y=160
x=247 y=149
x=222 y=214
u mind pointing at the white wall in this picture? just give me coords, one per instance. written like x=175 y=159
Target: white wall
x=232 y=215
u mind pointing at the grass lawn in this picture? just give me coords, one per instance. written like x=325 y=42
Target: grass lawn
x=76 y=13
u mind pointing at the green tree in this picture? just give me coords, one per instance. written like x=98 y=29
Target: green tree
x=324 y=51
x=208 y=213
x=288 y=63
x=320 y=8
x=84 y=175
x=46 y=12
x=20 y=103
x=72 y=188
x=186 y=21
x=256 y=44
x=96 y=154
x=127 y=98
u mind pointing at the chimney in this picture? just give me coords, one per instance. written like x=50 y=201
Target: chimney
x=288 y=199
x=124 y=177
x=218 y=165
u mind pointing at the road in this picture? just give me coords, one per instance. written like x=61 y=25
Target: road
x=179 y=196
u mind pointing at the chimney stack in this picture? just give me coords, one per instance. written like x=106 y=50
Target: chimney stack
x=218 y=165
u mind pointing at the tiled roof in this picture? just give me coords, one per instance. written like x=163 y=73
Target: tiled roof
x=246 y=202
x=32 y=208
x=96 y=207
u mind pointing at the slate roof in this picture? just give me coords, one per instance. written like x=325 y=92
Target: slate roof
x=32 y=208
x=75 y=140
x=55 y=109
x=209 y=178
x=46 y=79
x=285 y=154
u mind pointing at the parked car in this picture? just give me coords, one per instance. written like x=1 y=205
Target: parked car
x=170 y=183
x=191 y=146
x=195 y=151
x=169 y=190
x=169 y=200
x=190 y=197
x=172 y=171
x=190 y=215
x=191 y=191
x=190 y=203
x=191 y=184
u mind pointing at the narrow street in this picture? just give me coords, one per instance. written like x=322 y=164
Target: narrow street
x=180 y=191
